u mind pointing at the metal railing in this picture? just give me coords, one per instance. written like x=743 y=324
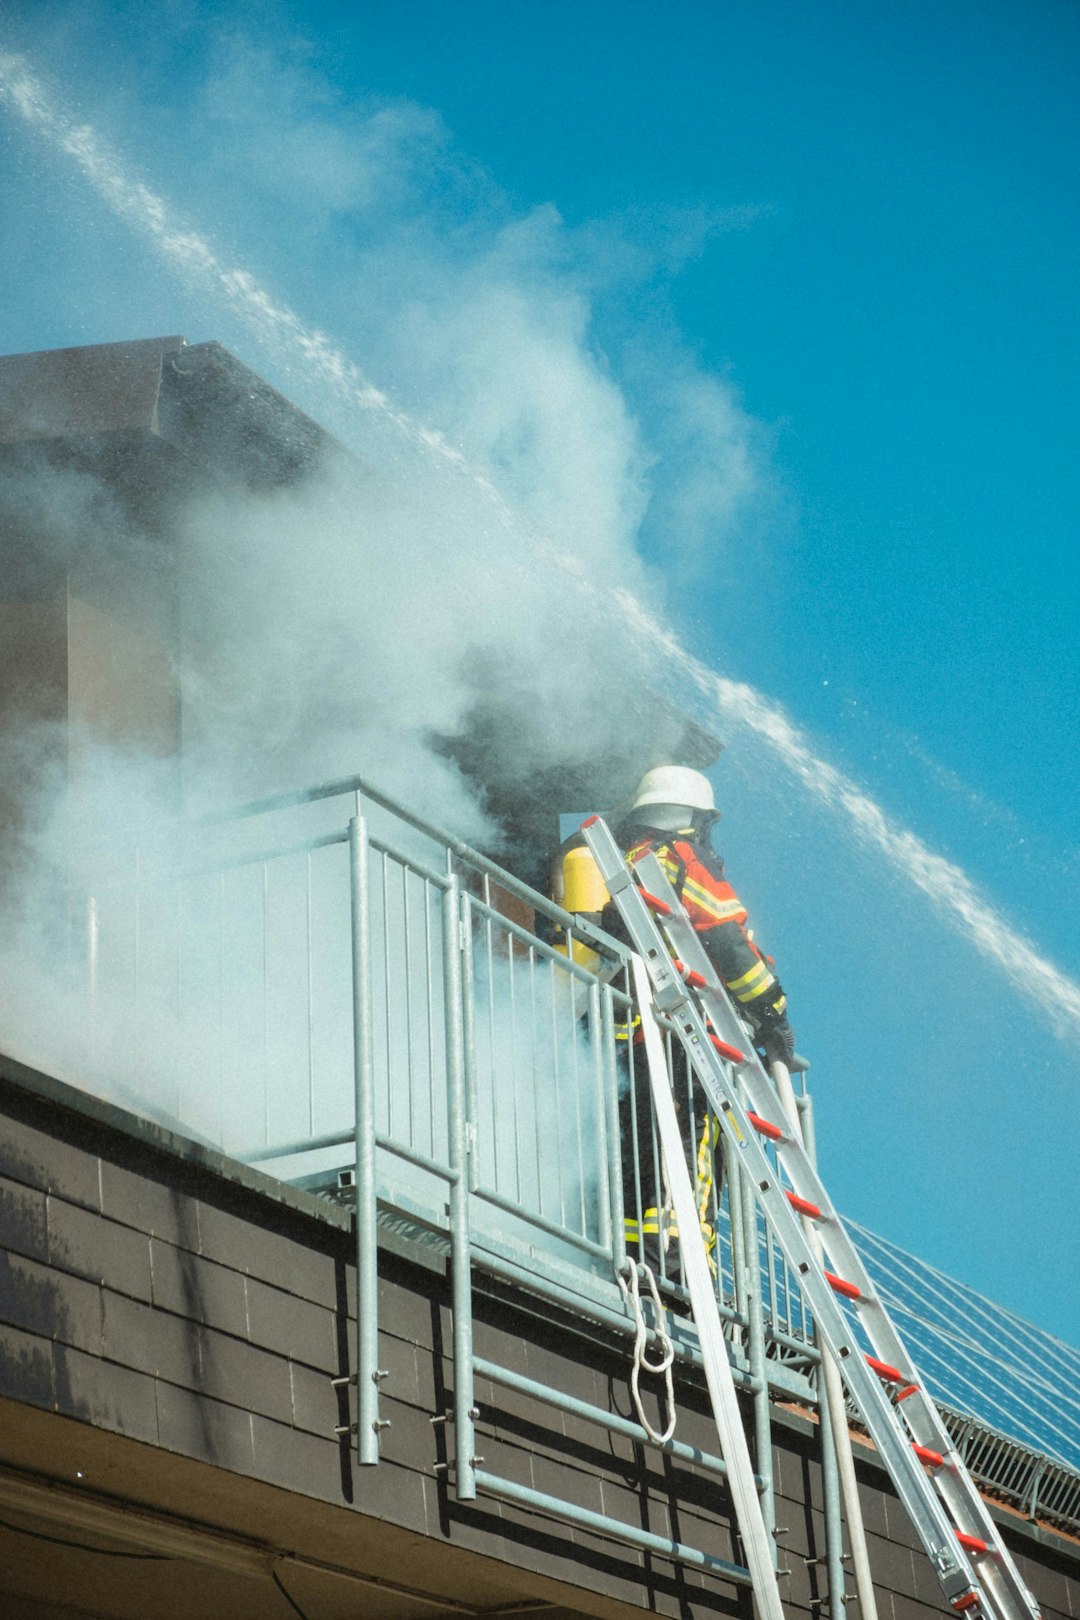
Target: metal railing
x=267 y=980
x=328 y=986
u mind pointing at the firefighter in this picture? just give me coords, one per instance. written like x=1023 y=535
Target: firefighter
x=672 y=817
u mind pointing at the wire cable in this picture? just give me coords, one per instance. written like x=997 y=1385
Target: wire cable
x=290 y=1600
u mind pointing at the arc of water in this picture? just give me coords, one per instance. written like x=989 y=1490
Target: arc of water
x=948 y=888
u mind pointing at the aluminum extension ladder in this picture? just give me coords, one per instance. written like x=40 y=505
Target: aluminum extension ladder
x=972 y=1564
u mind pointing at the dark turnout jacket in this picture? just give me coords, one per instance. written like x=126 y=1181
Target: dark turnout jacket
x=717 y=914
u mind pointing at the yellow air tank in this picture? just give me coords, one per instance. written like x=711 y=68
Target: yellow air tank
x=578 y=887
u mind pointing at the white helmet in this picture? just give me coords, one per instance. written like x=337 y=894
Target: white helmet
x=675 y=788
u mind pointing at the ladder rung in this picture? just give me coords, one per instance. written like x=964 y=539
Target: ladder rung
x=764 y=1126
x=891 y=1375
x=804 y=1207
x=732 y=1053
x=838 y=1285
x=968 y=1601
x=933 y=1459
x=973 y=1544
x=697 y=981
x=654 y=903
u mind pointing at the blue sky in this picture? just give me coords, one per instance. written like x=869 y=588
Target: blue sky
x=782 y=300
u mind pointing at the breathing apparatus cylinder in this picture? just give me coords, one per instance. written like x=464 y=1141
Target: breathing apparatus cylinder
x=583 y=887
x=577 y=886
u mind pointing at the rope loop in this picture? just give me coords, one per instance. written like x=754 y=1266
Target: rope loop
x=631 y=1292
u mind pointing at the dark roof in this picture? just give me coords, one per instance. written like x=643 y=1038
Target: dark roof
x=198 y=400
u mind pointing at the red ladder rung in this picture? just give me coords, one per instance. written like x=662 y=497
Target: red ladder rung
x=765 y=1126
x=838 y=1285
x=968 y=1601
x=654 y=903
x=933 y=1459
x=891 y=1375
x=732 y=1053
x=697 y=981
x=803 y=1205
x=973 y=1544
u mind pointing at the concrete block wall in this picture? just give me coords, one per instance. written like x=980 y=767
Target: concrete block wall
x=197 y=1310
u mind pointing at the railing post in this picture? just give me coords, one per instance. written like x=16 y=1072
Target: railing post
x=759 y=1371
x=93 y=941
x=734 y=1173
x=597 y=1027
x=459 y=1126
x=367 y=1250
x=468 y=1027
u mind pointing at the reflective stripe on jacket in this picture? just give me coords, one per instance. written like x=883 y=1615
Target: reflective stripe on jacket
x=717 y=913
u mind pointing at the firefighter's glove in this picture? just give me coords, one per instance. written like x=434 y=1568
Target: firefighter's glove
x=779 y=1042
x=772 y=1030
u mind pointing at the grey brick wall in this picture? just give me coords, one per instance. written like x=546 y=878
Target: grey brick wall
x=163 y=1301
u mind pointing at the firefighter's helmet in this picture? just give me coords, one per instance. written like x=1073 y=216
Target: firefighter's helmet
x=673 y=796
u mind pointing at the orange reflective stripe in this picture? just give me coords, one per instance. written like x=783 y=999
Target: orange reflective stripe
x=707 y=900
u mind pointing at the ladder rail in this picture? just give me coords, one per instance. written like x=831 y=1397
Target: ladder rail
x=758 y=1545
x=970 y=1567
x=926 y=1431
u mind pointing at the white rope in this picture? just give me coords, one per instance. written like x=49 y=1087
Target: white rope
x=632 y=1294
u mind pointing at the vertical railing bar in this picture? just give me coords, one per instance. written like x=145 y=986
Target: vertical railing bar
x=514 y=1078
x=617 y=1216
x=179 y=994
x=410 y=1066
x=137 y=945
x=429 y=970
x=600 y=1166
x=537 y=1132
x=632 y=1093
x=691 y=1110
x=572 y=1026
x=459 y=1130
x=738 y=1246
x=714 y=1142
x=495 y=1087
x=468 y=1004
x=805 y=1106
x=774 y=1295
x=659 y=1190
x=1031 y=1505
x=367 y=1272
x=556 y=1078
x=388 y=1008
x=93 y=969
x=310 y=998
x=266 y=1000
x=221 y=1011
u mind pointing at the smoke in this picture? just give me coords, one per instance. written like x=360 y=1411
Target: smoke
x=347 y=623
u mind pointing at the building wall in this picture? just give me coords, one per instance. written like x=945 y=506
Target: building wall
x=174 y=1323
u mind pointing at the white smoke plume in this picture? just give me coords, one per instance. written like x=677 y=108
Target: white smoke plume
x=505 y=359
